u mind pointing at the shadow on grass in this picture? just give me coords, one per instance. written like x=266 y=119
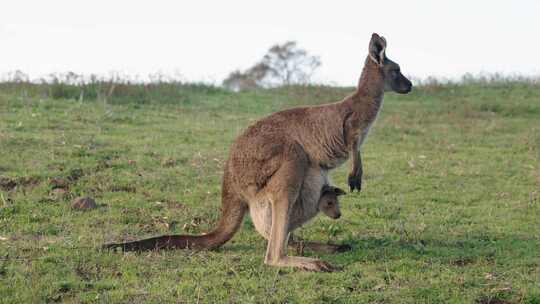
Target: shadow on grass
x=471 y=249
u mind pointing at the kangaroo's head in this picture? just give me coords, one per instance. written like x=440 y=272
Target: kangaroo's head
x=329 y=203
x=393 y=78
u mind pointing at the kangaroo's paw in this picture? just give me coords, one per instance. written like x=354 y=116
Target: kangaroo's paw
x=355 y=182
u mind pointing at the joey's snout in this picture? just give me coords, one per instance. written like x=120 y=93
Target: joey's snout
x=330 y=208
x=329 y=203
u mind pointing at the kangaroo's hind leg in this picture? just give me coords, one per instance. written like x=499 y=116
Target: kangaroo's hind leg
x=283 y=189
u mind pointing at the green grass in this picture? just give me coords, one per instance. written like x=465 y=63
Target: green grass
x=450 y=211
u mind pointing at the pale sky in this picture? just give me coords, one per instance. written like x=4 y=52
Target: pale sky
x=205 y=40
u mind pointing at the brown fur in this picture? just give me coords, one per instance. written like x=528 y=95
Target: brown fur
x=284 y=159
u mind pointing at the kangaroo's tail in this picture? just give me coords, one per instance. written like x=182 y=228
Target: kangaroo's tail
x=233 y=212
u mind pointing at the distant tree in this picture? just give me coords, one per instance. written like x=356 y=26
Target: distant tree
x=284 y=64
x=17 y=76
x=288 y=64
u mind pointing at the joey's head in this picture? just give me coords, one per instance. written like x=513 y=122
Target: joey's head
x=393 y=78
x=329 y=203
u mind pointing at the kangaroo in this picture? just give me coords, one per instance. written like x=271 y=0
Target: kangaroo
x=329 y=202
x=302 y=210
x=288 y=154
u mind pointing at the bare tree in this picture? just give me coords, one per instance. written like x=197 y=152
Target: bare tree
x=17 y=76
x=284 y=64
x=288 y=64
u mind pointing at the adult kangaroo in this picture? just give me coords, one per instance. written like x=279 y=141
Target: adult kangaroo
x=277 y=168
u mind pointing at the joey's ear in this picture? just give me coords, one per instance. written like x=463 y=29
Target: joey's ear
x=339 y=191
x=377 y=48
x=325 y=189
x=331 y=189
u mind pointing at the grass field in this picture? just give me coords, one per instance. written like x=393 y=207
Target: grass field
x=449 y=213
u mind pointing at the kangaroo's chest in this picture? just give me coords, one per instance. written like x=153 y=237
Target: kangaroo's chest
x=359 y=125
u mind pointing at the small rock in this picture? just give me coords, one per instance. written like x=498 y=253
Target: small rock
x=58 y=182
x=59 y=193
x=83 y=203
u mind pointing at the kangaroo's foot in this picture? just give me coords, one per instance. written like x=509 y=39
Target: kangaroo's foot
x=303 y=263
x=299 y=246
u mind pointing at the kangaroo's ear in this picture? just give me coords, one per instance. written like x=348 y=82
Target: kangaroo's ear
x=377 y=48
x=339 y=191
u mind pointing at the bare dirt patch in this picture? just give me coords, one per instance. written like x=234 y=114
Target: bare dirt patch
x=59 y=183
x=9 y=184
x=123 y=188
x=487 y=300
x=462 y=262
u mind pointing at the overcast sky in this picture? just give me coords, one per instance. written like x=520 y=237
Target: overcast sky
x=205 y=40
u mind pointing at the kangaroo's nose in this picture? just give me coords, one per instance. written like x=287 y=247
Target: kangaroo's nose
x=338 y=215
